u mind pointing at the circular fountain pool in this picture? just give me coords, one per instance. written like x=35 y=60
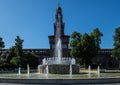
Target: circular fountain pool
x=60 y=79
x=61 y=76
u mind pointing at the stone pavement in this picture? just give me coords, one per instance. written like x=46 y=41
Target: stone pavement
x=58 y=84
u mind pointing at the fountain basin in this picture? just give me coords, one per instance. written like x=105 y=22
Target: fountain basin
x=61 y=81
x=59 y=68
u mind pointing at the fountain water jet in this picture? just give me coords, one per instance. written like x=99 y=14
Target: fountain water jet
x=89 y=71
x=70 y=70
x=19 y=71
x=47 y=70
x=58 y=44
x=98 y=71
x=38 y=68
x=28 y=70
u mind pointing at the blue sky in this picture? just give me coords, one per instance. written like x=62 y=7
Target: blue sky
x=33 y=20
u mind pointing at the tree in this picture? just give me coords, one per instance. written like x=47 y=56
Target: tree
x=5 y=58
x=2 y=56
x=18 y=49
x=31 y=59
x=85 y=47
x=88 y=48
x=1 y=43
x=11 y=53
x=116 y=50
x=75 y=42
x=97 y=36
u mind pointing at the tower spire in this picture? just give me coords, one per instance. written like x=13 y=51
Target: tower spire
x=58 y=3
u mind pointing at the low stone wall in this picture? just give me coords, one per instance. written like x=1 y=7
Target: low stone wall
x=110 y=71
x=15 y=71
x=60 y=69
x=61 y=81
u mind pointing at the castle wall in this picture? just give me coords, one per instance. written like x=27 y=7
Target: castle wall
x=103 y=58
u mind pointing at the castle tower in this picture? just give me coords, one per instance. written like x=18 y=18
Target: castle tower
x=64 y=38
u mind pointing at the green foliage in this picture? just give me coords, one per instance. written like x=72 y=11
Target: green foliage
x=116 y=50
x=27 y=58
x=14 y=61
x=6 y=56
x=18 y=49
x=97 y=36
x=3 y=59
x=15 y=57
x=85 y=47
x=18 y=46
x=1 y=43
x=75 y=44
x=31 y=59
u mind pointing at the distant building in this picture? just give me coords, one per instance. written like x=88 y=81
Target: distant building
x=103 y=58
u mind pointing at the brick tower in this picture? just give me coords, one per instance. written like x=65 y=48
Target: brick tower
x=64 y=38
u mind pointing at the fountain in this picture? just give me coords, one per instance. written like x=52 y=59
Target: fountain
x=58 y=64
